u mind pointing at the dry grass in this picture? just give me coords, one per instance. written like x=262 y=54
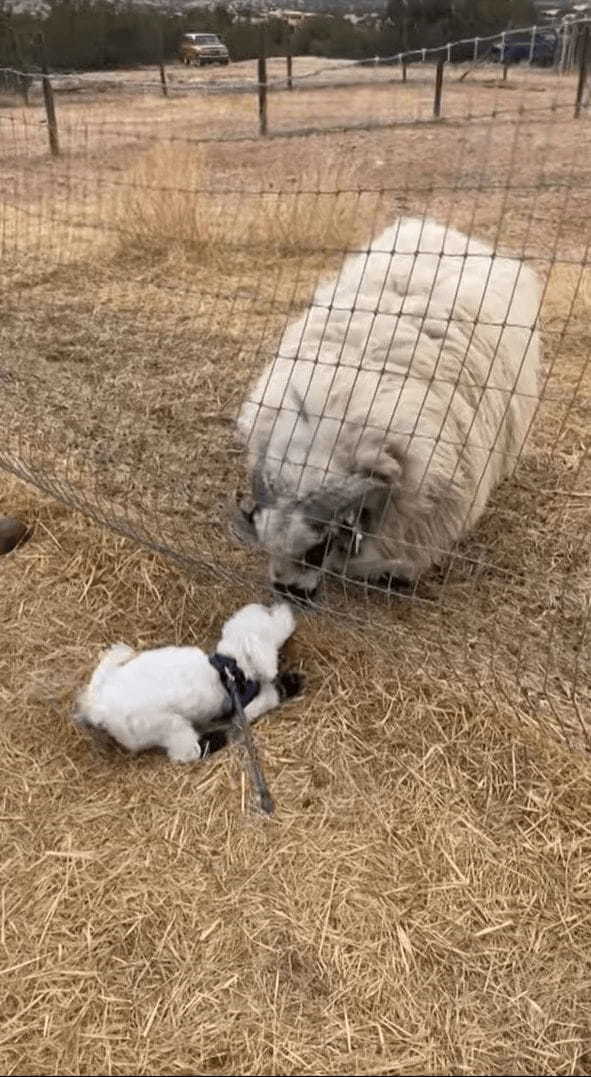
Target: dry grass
x=420 y=902
x=158 y=216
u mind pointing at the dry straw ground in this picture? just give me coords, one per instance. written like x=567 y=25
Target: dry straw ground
x=420 y=903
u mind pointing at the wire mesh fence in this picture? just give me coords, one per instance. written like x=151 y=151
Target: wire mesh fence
x=402 y=452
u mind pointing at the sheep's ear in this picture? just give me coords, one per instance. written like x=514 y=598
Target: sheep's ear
x=379 y=463
x=376 y=473
x=242 y=524
x=260 y=487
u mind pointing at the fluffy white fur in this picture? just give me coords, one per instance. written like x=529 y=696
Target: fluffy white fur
x=169 y=696
x=395 y=404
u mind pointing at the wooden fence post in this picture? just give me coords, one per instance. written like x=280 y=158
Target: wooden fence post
x=583 y=57
x=289 y=60
x=24 y=80
x=49 y=100
x=504 y=60
x=262 y=80
x=161 y=67
x=438 y=86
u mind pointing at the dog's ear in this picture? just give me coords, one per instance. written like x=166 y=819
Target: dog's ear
x=99 y=736
x=264 y=659
x=80 y=715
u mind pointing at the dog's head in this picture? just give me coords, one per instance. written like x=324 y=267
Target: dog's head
x=254 y=636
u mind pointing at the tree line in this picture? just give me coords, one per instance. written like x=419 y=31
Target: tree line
x=95 y=34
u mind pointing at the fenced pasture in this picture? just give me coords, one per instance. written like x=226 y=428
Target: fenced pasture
x=419 y=904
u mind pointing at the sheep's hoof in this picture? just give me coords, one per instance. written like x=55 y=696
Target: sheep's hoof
x=396 y=585
x=296 y=595
x=289 y=685
x=12 y=533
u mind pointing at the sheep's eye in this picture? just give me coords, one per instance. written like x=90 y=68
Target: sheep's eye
x=249 y=513
x=316 y=554
x=244 y=523
x=357 y=521
x=317 y=527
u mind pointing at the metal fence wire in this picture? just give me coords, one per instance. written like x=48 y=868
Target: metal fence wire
x=397 y=308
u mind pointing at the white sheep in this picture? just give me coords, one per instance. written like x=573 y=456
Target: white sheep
x=397 y=401
x=177 y=698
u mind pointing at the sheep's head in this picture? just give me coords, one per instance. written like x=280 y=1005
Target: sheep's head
x=321 y=532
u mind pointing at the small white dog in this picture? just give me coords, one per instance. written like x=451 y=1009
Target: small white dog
x=177 y=698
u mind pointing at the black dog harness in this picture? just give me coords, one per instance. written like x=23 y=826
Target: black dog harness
x=234 y=679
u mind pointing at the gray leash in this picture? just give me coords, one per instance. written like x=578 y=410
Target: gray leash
x=258 y=780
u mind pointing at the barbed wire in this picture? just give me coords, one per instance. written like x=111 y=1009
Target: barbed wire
x=247 y=86
x=142 y=127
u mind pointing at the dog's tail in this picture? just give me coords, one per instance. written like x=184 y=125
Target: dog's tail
x=114 y=656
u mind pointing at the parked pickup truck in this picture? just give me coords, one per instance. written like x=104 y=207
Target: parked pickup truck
x=203 y=49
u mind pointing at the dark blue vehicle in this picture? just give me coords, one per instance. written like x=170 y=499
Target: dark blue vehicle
x=517 y=49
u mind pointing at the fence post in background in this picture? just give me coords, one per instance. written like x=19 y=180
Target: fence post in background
x=438 y=86
x=504 y=56
x=583 y=59
x=262 y=80
x=572 y=47
x=532 y=45
x=49 y=100
x=161 y=67
x=404 y=43
x=24 y=81
x=563 y=43
x=289 y=61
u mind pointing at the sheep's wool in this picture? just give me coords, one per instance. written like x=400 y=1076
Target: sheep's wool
x=417 y=369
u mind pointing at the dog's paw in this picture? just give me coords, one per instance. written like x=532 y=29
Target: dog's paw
x=185 y=753
x=214 y=741
x=289 y=684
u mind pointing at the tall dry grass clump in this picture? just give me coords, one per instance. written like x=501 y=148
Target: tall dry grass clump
x=172 y=201
x=157 y=207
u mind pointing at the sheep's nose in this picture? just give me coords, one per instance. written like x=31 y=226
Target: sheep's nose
x=294 y=594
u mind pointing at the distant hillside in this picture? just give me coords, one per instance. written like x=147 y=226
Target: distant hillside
x=100 y=34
